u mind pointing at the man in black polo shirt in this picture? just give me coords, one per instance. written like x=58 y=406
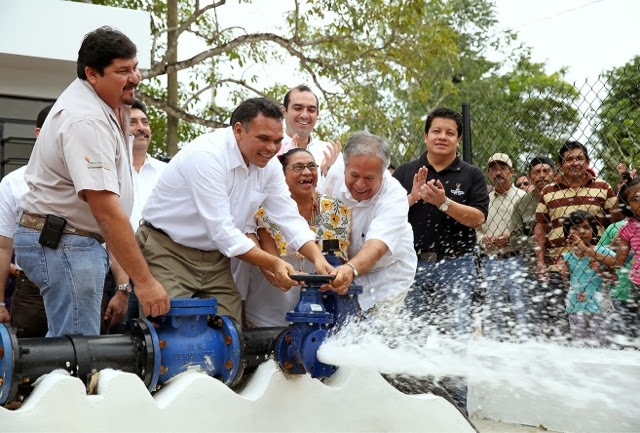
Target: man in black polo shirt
x=448 y=200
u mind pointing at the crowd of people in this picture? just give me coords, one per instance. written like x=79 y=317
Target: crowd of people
x=544 y=254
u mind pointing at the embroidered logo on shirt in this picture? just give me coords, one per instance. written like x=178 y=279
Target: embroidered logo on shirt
x=96 y=164
x=457 y=191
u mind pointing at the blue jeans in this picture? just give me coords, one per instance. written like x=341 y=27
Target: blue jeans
x=442 y=293
x=70 y=278
x=506 y=286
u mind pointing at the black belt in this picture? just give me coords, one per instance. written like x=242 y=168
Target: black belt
x=501 y=256
x=429 y=256
x=152 y=227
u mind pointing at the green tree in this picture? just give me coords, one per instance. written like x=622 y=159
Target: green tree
x=618 y=122
x=377 y=64
x=524 y=112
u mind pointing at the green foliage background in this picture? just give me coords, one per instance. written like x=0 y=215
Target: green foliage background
x=382 y=65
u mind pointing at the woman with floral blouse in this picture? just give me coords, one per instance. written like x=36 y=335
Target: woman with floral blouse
x=328 y=217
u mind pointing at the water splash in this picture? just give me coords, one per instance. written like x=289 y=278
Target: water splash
x=407 y=348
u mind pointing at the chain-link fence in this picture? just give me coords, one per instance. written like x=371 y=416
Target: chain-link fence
x=586 y=296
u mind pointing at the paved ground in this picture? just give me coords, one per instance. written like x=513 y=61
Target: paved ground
x=490 y=426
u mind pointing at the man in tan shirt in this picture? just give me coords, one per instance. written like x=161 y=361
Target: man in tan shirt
x=80 y=192
x=502 y=266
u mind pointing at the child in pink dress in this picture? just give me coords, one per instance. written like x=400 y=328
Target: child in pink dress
x=629 y=240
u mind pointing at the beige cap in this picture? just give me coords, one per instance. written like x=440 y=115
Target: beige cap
x=500 y=157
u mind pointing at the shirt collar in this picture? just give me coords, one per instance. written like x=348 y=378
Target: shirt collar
x=454 y=166
x=125 y=110
x=562 y=181
x=235 y=155
x=364 y=203
x=288 y=139
x=504 y=194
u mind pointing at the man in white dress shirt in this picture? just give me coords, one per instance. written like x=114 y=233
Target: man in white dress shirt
x=118 y=297
x=382 y=258
x=198 y=213
x=301 y=110
x=146 y=169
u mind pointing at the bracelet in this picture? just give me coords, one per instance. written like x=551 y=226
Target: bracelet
x=355 y=271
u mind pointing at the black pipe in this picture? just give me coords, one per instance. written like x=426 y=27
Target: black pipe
x=259 y=344
x=466 y=133
x=81 y=356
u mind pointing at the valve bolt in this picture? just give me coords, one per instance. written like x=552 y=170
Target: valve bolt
x=228 y=340
x=163 y=369
x=1 y=352
x=162 y=344
x=1 y=381
x=288 y=365
x=228 y=364
x=287 y=338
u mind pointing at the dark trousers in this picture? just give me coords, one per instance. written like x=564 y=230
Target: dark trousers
x=443 y=297
x=552 y=317
x=28 y=315
x=107 y=294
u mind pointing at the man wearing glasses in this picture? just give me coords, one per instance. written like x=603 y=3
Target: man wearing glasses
x=381 y=254
x=574 y=189
x=196 y=217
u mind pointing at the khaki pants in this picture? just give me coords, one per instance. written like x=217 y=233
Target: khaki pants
x=190 y=273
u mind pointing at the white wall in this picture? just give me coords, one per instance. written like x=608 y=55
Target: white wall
x=350 y=401
x=39 y=42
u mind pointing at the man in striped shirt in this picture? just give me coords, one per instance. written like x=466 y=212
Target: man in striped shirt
x=573 y=189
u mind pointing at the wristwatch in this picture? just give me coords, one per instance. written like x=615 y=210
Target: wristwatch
x=355 y=271
x=445 y=206
x=124 y=288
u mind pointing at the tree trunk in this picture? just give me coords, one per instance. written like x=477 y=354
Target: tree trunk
x=172 y=77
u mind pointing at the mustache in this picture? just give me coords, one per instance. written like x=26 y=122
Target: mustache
x=139 y=134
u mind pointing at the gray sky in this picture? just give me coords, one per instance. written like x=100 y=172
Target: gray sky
x=587 y=36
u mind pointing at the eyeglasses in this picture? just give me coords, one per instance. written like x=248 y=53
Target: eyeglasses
x=299 y=168
x=521 y=184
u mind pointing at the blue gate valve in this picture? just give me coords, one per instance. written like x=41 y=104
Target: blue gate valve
x=297 y=347
x=191 y=336
x=344 y=306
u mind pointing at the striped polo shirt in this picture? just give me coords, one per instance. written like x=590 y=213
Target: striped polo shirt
x=559 y=199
